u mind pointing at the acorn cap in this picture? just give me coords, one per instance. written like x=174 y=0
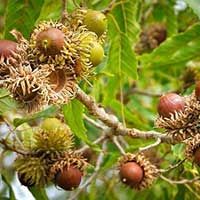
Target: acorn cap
x=60 y=88
x=26 y=85
x=150 y=171
x=66 y=160
x=183 y=124
x=56 y=140
x=83 y=66
x=33 y=169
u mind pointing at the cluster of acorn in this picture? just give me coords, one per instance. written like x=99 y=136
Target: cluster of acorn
x=46 y=68
x=180 y=117
x=50 y=157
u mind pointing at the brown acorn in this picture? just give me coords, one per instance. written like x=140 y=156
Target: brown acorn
x=169 y=104
x=197 y=90
x=50 y=41
x=131 y=173
x=6 y=48
x=136 y=171
x=69 y=178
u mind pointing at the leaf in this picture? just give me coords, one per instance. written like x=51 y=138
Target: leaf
x=194 y=4
x=38 y=193
x=11 y=192
x=178 y=151
x=49 y=112
x=73 y=113
x=50 y=10
x=21 y=15
x=175 y=50
x=125 y=15
x=123 y=60
x=171 y=19
x=6 y=102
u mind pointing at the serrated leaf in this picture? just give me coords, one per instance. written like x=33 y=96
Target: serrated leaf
x=194 y=4
x=38 y=193
x=49 y=112
x=171 y=19
x=125 y=15
x=73 y=113
x=122 y=59
x=21 y=15
x=175 y=50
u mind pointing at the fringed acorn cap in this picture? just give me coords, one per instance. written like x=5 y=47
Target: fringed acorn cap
x=27 y=84
x=12 y=53
x=55 y=137
x=67 y=160
x=182 y=124
x=32 y=169
x=60 y=87
x=148 y=174
x=83 y=65
x=192 y=146
x=53 y=42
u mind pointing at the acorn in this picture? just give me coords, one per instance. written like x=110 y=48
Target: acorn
x=96 y=54
x=170 y=104
x=131 y=173
x=197 y=90
x=69 y=178
x=7 y=47
x=95 y=21
x=50 y=41
x=136 y=171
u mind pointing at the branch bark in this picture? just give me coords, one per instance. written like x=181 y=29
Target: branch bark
x=113 y=122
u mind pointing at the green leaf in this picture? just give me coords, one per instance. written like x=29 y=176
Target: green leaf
x=38 y=193
x=122 y=59
x=194 y=4
x=50 y=10
x=73 y=113
x=21 y=15
x=125 y=15
x=49 y=112
x=177 y=49
x=171 y=19
x=11 y=192
x=6 y=102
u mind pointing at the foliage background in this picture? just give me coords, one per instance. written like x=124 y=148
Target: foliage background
x=127 y=84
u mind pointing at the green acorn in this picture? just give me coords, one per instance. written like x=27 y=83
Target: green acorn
x=53 y=136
